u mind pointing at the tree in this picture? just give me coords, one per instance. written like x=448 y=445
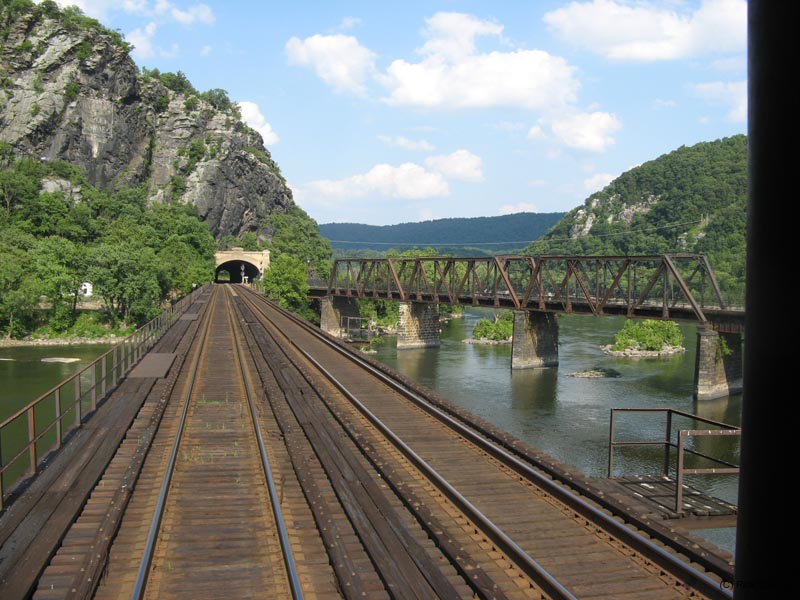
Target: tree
x=60 y=267
x=125 y=275
x=19 y=293
x=286 y=281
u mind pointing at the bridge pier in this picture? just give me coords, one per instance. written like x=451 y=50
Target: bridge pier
x=535 y=341
x=334 y=311
x=718 y=365
x=418 y=326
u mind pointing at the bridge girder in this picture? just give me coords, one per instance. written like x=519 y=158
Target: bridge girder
x=667 y=286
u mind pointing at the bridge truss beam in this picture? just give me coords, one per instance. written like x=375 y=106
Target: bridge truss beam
x=679 y=286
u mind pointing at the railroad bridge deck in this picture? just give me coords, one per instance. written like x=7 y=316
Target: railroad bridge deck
x=248 y=452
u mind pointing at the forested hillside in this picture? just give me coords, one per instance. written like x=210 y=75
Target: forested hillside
x=691 y=200
x=457 y=236
x=57 y=231
x=122 y=178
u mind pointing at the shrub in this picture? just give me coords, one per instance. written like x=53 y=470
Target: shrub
x=648 y=334
x=501 y=328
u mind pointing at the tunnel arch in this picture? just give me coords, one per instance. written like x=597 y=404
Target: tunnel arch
x=240 y=264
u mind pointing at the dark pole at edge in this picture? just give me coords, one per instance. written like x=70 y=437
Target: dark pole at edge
x=765 y=500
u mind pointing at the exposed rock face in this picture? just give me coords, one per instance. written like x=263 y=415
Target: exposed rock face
x=73 y=94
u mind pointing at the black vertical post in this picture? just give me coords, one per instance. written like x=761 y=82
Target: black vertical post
x=769 y=363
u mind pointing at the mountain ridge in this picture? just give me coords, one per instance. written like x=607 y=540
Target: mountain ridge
x=497 y=233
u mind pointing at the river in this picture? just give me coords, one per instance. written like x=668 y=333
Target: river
x=566 y=417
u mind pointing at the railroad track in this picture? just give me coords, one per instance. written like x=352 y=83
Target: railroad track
x=288 y=466
x=205 y=519
x=418 y=504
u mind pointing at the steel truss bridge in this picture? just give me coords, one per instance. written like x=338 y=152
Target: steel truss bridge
x=665 y=286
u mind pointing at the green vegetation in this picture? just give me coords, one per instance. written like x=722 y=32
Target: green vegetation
x=692 y=200
x=648 y=334
x=297 y=252
x=51 y=242
x=71 y=17
x=488 y=235
x=497 y=330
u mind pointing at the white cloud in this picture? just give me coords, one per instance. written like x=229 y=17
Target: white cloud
x=451 y=36
x=622 y=30
x=730 y=94
x=142 y=41
x=406 y=143
x=339 y=60
x=408 y=180
x=461 y=164
x=161 y=9
x=251 y=114
x=519 y=207
x=582 y=131
x=530 y=79
x=452 y=75
x=349 y=23
x=200 y=13
x=597 y=182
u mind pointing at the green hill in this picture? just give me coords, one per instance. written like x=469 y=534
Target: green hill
x=691 y=200
x=457 y=236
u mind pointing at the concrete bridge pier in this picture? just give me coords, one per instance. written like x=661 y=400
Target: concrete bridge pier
x=418 y=326
x=718 y=365
x=334 y=311
x=535 y=341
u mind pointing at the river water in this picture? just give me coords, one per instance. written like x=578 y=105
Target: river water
x=568 y=417
x=564 y=416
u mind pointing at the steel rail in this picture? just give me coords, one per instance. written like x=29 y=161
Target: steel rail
x=280 y=523
x=699 y=580
x=527 y=564
x=158 y=513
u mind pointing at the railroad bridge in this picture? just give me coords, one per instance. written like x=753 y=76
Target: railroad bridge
x=228 y=449
x=679 y=287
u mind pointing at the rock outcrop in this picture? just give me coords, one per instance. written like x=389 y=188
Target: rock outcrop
x=70 y=91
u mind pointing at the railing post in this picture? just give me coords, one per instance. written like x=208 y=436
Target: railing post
x=667 y=443
x=78 y=408
x=58 y=417
x=31 y=437
x=114 y=366
x=679 y=475
x=2 y=493
x=103 y=375
x=93 y=383
x=611 y=446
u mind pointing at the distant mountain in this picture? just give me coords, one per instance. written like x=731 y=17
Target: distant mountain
x=457 y=236
x=692 y=200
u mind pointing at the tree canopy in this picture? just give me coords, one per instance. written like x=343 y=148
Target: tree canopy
x=58 y=232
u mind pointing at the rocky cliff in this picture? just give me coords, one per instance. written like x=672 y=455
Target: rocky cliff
x=70 y=91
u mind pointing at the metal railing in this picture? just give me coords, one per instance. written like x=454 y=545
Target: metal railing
x=35 y=431
x=683 y=435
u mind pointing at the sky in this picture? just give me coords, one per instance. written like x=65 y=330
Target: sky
x=385 y=112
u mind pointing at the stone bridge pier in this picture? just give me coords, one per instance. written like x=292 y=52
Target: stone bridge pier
x=535 y=341
x=718 y=364
x=418 y=326
x=335 y=312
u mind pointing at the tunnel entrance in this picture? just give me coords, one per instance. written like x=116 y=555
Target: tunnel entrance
x=236 y=271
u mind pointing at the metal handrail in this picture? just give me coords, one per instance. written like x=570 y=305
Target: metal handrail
x=723 y=429
x=113 y=366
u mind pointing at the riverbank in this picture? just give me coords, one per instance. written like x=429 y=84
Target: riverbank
x=60 y=341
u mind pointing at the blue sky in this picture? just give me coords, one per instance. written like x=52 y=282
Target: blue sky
x=391 y=112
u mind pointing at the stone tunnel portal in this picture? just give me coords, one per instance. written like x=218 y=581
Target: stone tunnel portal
x=240 y=265
x=237 y=271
